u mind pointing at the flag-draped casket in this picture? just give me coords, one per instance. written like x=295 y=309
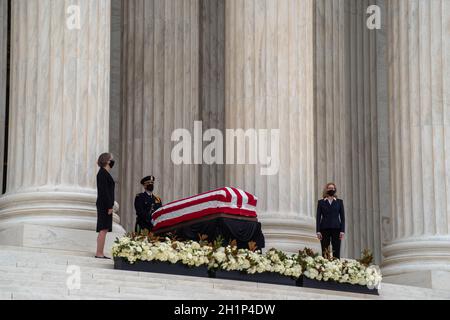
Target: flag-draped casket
x=228 y=212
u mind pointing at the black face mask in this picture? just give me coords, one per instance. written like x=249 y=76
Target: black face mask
x=111 y=163
x=149 y=188
x=331 y=192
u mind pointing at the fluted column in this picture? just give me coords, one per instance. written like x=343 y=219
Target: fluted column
x=212 y=83
x=346 y=118
x=419 y=110
x=115 y=106
x=160 y=91
x=269 y=85
x=59 y=113
x=3 y=78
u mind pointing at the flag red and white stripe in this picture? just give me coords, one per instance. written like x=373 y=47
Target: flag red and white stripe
x=227 y=200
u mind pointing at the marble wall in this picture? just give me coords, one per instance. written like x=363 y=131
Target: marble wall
x=59 y=114
x=160 y=93
x=115 y=87
x=269 y=54
x=384 y=170
x=242 y=78
x=346 y=113
x=212 y=83
x=3 y=78
x=418 y=41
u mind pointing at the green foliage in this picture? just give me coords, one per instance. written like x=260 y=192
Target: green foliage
x=252 y=246
x=203 y=240
x=328 y=254
x=366 y=258
x=307 y=252
x=218 y=242
x=303 y=254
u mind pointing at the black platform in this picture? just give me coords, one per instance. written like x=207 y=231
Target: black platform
x=240 y=229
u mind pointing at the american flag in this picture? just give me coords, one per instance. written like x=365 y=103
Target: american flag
x=227 y=200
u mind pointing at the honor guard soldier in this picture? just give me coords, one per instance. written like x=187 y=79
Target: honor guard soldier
x=145 y=204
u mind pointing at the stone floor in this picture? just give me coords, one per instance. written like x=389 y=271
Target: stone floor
x=27 y=273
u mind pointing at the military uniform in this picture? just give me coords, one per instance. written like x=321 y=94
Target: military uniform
x=145 y=204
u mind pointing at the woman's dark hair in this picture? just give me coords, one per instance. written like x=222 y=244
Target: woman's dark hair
x=103 y=159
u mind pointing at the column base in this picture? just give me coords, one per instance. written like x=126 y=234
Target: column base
x=67 y=209
x=55 y=238
x=426 y=279
x=423 y=262
x=290 y=235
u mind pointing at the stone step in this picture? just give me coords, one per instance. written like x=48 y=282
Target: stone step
x=135 y=281
x=44 y=293
x=180 y=283
x=55 y=238
x=93 y=289
x=30 y=263
x=36 y=296
x=139 y=285
x=6 y=295
x=46 y=250
x=104 y=273
x=26 y=271
x=54 y=258
x=391 y=291
x=97 y=290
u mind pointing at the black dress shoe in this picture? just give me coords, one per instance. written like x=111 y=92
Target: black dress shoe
x=102 y=257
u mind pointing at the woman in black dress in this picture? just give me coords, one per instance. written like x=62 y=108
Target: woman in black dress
x=105 y=201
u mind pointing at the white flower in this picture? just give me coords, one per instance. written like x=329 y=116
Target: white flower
x=227 y=258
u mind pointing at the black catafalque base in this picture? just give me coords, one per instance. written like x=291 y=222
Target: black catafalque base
x=240 y=230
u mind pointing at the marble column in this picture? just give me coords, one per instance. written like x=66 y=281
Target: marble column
x=212 y=83
x=419 y=112
x=115 y=86
x=346 y=124
x=59 y=112
x=3 y=78
x=160 y=93
x=269 y=56
x=382 y=84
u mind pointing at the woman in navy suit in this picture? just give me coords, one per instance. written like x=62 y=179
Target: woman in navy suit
x=105 y=201
x=330 y=220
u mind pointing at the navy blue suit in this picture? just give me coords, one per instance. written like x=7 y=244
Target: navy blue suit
x=330 y=216
x=330 y=222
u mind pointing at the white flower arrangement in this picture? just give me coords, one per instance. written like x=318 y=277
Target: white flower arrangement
x=189 y=253
x=194 y=254
x=253 y=261
x=343 y=271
